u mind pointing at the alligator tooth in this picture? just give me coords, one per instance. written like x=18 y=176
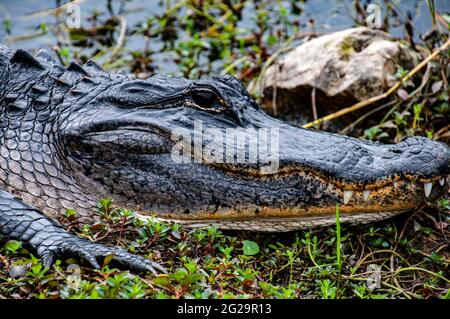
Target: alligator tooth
x=396 y=184
x=427 y=187
x=347 y=196
x=442 y=182
x=366 y=194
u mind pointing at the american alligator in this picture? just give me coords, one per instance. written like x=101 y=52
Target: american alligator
x=73 y=135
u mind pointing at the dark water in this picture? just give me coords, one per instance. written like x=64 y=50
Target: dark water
x=24 y=19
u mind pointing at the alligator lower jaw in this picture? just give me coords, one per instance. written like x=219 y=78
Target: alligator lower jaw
x=273 y=224
x=398 y=197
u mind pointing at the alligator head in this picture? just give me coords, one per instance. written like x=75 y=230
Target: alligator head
x=190 y=150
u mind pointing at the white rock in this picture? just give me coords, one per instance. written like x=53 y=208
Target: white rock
x=345 y=67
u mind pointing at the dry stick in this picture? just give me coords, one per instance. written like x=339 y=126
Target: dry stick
x=120 y=41
x=424 y=270
x=313 y=103
x=444 y=78
x=405 y=293
x=424 y=82
x=442 y=20
x=256 y=87
x=374 y=99
x=362 y=118
x=274 y=92
x=362 y=261
x=55 y=11
x=274 y=99
x=445 y=24
x=4 y=261
x=445 y=135
x=408 y=295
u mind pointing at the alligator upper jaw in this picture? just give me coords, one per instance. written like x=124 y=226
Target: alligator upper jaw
x=349 y=163
x=356 y=164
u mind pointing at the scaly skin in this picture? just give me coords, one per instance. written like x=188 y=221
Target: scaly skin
x=71 y=136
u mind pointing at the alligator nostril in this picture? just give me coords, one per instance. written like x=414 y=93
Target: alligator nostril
x=415 y=151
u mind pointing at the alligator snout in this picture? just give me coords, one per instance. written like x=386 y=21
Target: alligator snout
x=359 y=164
x=420 y=158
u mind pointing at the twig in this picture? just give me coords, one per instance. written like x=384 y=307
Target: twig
x=234 y=64
x=444 y=78
x=374 y=99
x=121 y=40
x=442 y=21
x=362 y=118
x=442 y=130
x=4 y=261
x=425 y=79
x=403 y=292
x=429 y=255
x=313 y=103
x=389 y=251
x=56 y=11
x=443 y=136
x=256 y=87
x=432 y=9
x=274 y=98
x=424 y=270
x=25 y=37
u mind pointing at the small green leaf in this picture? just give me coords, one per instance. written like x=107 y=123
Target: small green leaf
x=13 y=246
x=250 y=248
x=447 y=295
x=70 y=212
x=107 y=260
x=65 y=52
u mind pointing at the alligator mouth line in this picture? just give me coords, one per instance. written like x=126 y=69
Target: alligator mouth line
x=285 y=170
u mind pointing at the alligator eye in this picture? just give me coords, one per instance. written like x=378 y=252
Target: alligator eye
x=206 y=100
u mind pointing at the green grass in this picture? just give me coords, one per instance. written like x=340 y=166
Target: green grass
x=330 y=262
x=338 y=240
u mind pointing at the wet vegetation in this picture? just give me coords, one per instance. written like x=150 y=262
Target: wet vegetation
x=405 y=257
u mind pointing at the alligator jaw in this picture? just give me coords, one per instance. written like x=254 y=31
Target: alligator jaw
x=265 y=219
x=316 y=172
x=278 y=224
x=361 y=207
